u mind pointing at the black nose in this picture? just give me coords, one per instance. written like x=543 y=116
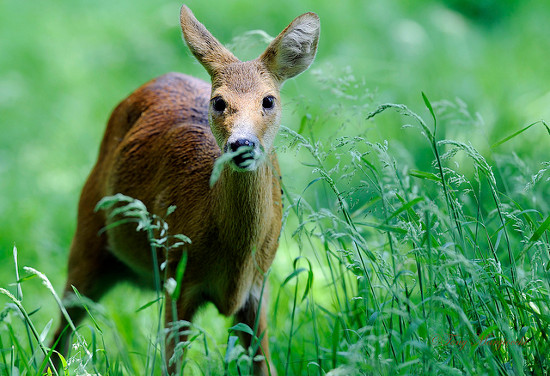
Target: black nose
x=245 y=149
x=235 y=145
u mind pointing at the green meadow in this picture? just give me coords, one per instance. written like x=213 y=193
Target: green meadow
x=416 y=171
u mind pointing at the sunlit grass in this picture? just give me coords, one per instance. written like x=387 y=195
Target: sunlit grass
x=407 y=250
x=390 y=270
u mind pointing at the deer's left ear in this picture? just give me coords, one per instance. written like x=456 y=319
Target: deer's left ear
x=293 y=51
x=208 y=51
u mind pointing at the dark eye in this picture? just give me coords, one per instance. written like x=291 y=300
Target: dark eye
x=268 y=102
x=218 y=104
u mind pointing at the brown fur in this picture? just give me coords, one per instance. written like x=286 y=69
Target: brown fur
x=160 y=146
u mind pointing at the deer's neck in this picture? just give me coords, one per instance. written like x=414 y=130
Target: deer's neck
x=243 y=203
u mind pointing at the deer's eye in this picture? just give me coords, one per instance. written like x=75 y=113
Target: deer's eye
x=268 y=102
x=218 y=104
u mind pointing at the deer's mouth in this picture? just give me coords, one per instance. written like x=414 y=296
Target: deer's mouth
x=244 y=154
x=245 y=159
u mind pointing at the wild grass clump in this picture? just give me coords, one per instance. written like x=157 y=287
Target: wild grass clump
x=384 y=267
x=427 y=272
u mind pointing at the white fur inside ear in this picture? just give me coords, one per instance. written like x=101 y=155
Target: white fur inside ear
x=300 y=38
x=296 y=47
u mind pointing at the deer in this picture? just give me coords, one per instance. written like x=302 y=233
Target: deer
x=160 y=146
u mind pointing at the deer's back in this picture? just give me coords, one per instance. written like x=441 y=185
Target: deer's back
x=159 y=133
x=158 y=148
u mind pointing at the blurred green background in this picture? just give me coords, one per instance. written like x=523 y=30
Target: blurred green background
x=64 y=65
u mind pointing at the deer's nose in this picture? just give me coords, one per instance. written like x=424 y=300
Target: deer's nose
x=246 y=152
x=235 y=145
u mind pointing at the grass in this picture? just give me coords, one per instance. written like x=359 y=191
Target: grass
x=393 y=270
x=415 y=249
x=425 y=276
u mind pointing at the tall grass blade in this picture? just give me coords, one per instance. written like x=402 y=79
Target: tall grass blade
x=508 y=138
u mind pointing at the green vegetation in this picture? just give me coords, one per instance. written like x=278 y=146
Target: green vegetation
x=406 y=250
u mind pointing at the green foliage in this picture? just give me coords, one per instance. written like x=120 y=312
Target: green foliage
x=452 y=291
x=421 y=249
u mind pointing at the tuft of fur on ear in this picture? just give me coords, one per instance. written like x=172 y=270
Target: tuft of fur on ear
x=293 y=51
x=207 y=49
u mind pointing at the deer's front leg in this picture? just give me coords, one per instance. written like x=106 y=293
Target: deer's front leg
x=247 y=315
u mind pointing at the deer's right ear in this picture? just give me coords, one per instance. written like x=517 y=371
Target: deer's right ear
x=207 y=49
x=293 y=51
